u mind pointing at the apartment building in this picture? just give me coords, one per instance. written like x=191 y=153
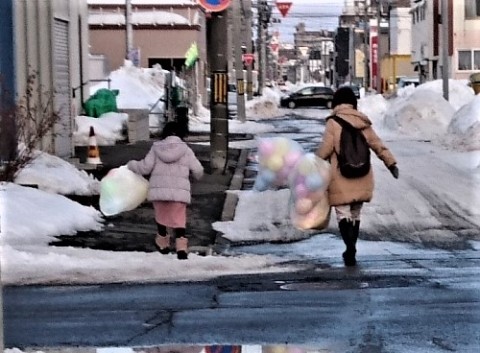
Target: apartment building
x=462 y=40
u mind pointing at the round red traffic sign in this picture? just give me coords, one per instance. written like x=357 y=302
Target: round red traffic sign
x=214 y=5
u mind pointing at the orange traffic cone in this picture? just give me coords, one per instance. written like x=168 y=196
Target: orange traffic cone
x=93 y=151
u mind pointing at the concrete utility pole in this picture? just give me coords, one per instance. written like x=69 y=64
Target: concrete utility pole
x=380 y=48
x=237 y=43
x=366 y=46
x=445 y=42
x=217 y=53
x=128 y=28
x=263 y=20
x=248 y=27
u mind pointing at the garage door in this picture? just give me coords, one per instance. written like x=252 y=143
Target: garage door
x=61 y=82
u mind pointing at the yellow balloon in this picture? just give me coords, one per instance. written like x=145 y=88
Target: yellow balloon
x=275 y=163
x=305 y=166
x=282 y=145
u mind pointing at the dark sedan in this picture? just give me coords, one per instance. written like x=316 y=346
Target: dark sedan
x=309 y=96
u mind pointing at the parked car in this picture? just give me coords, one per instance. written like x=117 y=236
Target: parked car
x=308 y=96
x=407 y=81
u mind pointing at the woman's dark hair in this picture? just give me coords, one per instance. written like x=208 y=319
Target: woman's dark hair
x=171 y=129
x=344 y=95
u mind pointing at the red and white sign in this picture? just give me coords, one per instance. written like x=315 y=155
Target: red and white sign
x=214 y=5
x=283 y=7
x=374 y=59
x=247 y=58
x=274 y=47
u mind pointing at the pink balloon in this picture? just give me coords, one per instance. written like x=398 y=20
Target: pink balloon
x=301 y=191
x=265 y=148
x=299 y=179
x=285 y=172
x=292 y=157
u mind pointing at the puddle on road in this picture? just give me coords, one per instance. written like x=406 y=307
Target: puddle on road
x=281 y=348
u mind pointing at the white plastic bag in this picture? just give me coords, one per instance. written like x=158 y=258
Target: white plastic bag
x=121 y=190
x=308 y=205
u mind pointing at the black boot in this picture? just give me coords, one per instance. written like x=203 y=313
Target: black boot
x=347 y=231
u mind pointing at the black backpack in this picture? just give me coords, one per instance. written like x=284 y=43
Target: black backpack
x=354 y=154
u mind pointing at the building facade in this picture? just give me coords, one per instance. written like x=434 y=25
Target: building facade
x=49 y=40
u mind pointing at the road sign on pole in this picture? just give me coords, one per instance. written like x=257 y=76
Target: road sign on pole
x=247 y=58
x=283 y=7
x=214 y=5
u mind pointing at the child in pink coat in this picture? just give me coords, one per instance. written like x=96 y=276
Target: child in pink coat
x=170 y=164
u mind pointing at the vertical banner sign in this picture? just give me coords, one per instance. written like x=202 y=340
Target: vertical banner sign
x=220 y=87
x=283 y=7
x=214 y=5
x=374 y=60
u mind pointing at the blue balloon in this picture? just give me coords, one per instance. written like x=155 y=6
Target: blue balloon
x=314 y=182
x=260 y=184
x=268 y=175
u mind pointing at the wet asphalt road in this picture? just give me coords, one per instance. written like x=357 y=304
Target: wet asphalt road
x=429 y=304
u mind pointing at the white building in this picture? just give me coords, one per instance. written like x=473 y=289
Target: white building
x=463 y=44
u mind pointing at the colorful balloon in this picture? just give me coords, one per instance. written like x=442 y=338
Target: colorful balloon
x=314 y=182
x=265 y=147
x=303 y=205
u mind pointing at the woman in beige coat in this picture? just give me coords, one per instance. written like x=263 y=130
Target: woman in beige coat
x=347 y=195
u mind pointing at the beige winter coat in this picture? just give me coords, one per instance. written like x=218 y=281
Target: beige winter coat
x=341 y=190
x=170 y=163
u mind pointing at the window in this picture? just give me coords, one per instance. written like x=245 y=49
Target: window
x=472 y=9
x=469 y=60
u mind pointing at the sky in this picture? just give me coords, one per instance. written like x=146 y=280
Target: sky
x=435 y=142
x=316 y=14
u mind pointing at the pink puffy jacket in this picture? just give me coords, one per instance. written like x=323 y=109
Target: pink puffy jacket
x=170 y=162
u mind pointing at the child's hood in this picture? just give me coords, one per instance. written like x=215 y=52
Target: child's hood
x=170 y=149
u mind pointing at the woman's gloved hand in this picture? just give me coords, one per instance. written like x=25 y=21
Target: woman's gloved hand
x=394 y=170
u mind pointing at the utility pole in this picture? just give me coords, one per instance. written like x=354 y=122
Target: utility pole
x=237 y=39
x=445 y=47
x=366 y=46
x=264 y=13
x=380 y=48
x=128 y=28
x=217 y=52
x=260 y=45
x=249 y=49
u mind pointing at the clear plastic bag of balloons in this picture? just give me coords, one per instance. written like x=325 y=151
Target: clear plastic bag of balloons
x=277 y=157
x=308 y=205
x=121 y=190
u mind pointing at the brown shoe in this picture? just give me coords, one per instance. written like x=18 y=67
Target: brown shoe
x=181 y=245
x=162 y=243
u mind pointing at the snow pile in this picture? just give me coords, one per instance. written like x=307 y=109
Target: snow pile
x=265 y=106
x=17 y=217
x=464 y=129
x=55 y=175
x=139 y=88
x=109 y=128
x=421 y=115
x=374 y=106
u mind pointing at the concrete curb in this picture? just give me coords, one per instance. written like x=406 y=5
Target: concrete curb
x=222 y=244
x=235 y=184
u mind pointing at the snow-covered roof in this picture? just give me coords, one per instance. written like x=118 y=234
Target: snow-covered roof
x=141 y=18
